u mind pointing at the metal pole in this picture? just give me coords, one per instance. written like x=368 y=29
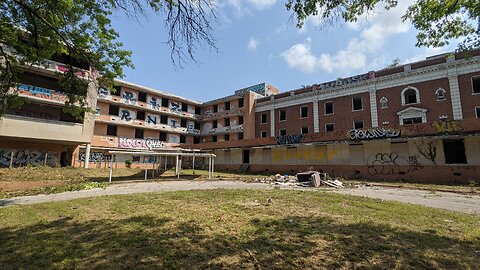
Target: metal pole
x=111 y=169
x=153 y=166
x=45 y=160
x=87 y=156
x=213 y=167
x=11 y=159
x=209 y=167
x=193 y=163
x=159 y=164
x=146 y=168
x=176 y=166
x=166 y=160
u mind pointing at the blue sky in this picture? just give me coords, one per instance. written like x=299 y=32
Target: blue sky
x=258 y=42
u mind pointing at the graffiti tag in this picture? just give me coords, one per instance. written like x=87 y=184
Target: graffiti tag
x=289 y=139
x=95 y=157
x=373 y=133
x=149 y=144
x=447 y=126
x=25 y=157
x=40 y=92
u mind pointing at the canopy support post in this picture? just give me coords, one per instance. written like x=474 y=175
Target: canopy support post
x=111 y=169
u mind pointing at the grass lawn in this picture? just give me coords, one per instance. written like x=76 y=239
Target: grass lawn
x=236 y=229
x=44 y=180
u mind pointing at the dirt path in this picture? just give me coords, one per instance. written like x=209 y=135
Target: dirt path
x=444 y=200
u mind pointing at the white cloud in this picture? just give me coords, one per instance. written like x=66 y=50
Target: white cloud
x=426 y=53
x=261 y=4
x=299 y=56
x=243 y=7
x=374 y=30
x=253 y=44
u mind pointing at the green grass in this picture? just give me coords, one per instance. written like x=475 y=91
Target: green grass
x=236 y=229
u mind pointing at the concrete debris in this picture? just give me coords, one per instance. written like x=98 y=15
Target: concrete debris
x=303 y=179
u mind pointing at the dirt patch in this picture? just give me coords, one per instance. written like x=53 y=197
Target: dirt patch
x=9 y=186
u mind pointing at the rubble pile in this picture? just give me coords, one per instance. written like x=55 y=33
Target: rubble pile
x=303 y=179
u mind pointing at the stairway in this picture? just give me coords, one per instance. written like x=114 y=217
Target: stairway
x=243 y=168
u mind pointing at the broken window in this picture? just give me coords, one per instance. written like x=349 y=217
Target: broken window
x=263 y=134
x=264 y=118
x=476 y=85
x=413 y=120
x=410 y=96
x=304 y=130
x=357 y=103
x=328 y=127
x=113 y=110
x=282 y=115
x=329 y=107
x=358 y=124
x=282 y=132
x=454 y=151
x=304 y=112
x=111 y=130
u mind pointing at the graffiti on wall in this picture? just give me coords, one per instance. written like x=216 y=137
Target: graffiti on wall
x=447 y=126
x=25 y=157
x=191 y=129
x=208 y=114
x=125 y=115
x=40 y=92
x=373 y=133
x=175 y=108
x=95 y=157
x=146 y=144
x=151 y=119
x=129 y=97
x=289 y=139
x=349 y=80
x=102 y=92
x=389 y=164
x=428 y=149
x=154 y=103
x=259 y=89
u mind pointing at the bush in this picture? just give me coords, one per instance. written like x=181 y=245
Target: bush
x=128 y=163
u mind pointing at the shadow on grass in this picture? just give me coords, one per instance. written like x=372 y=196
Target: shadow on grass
x=294 y=242
x=141 y=176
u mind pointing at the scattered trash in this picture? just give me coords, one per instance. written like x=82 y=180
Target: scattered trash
x=303 y=179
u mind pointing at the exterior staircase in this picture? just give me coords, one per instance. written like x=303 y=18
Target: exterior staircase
x=243 y=168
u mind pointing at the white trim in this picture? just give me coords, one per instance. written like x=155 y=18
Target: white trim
x=455 y=95
x=417 y=96
x=477 y=115
x=373 y=109
x=412 y=112
x=384 y=103
x=272 y=123
x=316 y=122
x=471 y=81
x=440 y=90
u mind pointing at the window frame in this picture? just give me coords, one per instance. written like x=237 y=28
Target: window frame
x=301 y=130
x=383 y=103
x=473 y=85
x=358 y=121
x=477 y=111
x=301 y=111
x=437 y=94
x=261 y=134
x=325 y=108
x=261 y=118
x=280 y=115
x=280 y=132
x=329 y=124
x=353 y=104
x=417 y=96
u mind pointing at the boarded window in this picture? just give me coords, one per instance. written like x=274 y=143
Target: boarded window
x=454 y=151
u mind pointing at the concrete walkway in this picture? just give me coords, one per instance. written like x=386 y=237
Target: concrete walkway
x=443 y=200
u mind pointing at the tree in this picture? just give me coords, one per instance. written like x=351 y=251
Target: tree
x=80 y=33
x=437 y=21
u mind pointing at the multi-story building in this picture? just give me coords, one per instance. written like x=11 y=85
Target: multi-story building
x=39 y=132
x=415 y=121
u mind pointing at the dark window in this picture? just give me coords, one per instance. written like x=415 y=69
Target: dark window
x=117 y=89
x=197 y=125
x=264 y=118
x=196 y=140
x=410 y=96
x=227 y=122
x=329 y=108
x=357 y=104
x=358 y=124
x=283 y=115
x=163 y=136
x=240 y=136
x=111 y=130
x=142 y=96
x=303 y=112
x=139 y=133
x=477 y=112
x=476 y=85
x=183 y=122
x=198 y=110
x=184 y=107
x=113 y=110
x=214 y=138
x=182 y=139
x=163 y=119
x=240 y=103
x=454 y=151
x=413 y=120
x=136 y=159
x=226 y=137
x=240 y=120
x=215 y=108
x=263 y=134
x=328 y=127
x=140 y=115
x=215 y=124
x=227 y=105
x=165 y=102
x=282 y=132
x=304 y=130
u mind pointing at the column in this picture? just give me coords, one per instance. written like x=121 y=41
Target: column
x=316 y=124
x=373 y=108
x=272 y=123
x=455 y=97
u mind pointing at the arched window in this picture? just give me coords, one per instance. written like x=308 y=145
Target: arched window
x=410 y=95
x=440 y=93
x=383 y=103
